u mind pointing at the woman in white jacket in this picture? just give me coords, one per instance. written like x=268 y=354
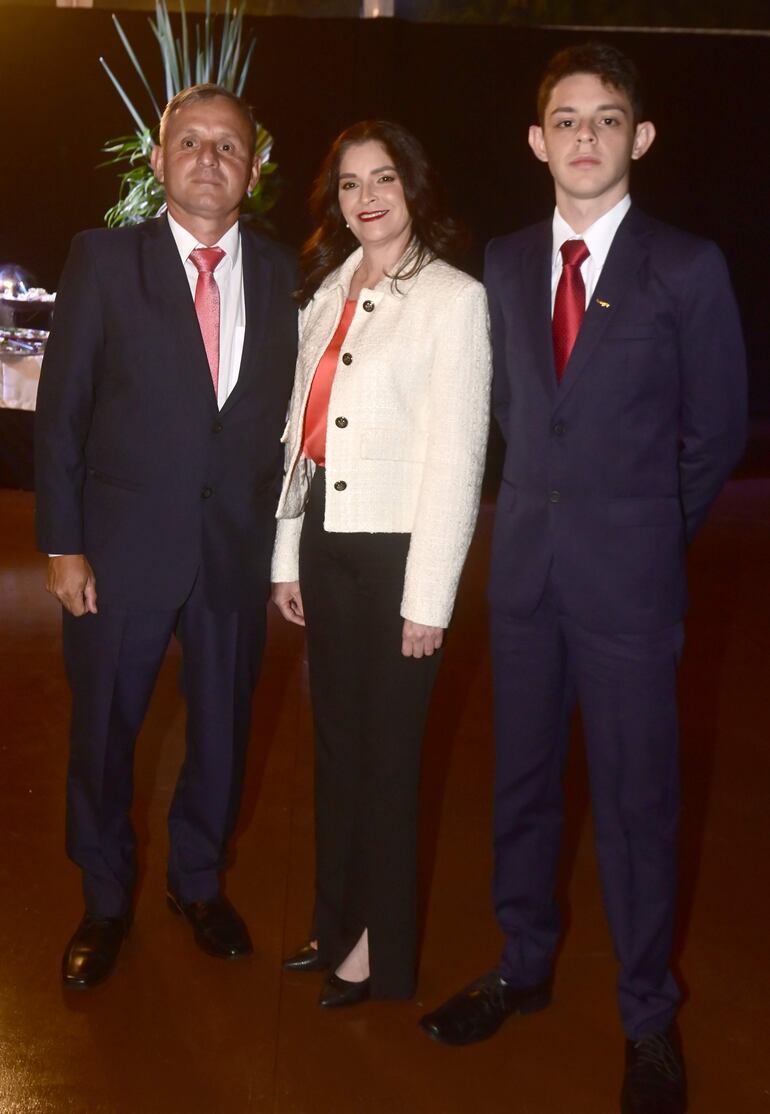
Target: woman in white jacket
x=385 y=447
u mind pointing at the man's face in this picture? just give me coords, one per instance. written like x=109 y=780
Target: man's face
x=588 y=138
x=206 y=162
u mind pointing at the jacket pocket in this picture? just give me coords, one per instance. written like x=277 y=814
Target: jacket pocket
x=115 y=481
x=631 y=332
x=393 y=444
x=663 y=511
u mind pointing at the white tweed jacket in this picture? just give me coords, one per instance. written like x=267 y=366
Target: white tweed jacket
x=407 y=429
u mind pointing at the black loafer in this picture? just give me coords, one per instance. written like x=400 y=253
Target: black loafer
x=654 y=1081
x=306 y=959
x=479 y=1010
x=93 y=950
x=218 y=929
x=339 y=992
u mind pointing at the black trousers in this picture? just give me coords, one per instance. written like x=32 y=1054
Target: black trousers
x=369 y=707
x=112 y=661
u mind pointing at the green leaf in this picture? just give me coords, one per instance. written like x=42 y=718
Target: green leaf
x=123 y=95
x=130 y=52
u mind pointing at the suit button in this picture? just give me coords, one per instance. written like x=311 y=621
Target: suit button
x=340 y=485
x=347 y=359
x=206 y=493
x=340 y=422
x=560 y=429
x=555 y=496
x=368 y=306
x=217 y=427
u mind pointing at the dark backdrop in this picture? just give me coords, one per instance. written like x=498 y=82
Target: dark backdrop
x=467 y=91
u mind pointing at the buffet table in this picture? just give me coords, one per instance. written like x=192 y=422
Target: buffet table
x=19 y=377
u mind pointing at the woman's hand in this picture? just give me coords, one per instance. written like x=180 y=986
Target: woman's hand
x=287 y=598
x=418 y=641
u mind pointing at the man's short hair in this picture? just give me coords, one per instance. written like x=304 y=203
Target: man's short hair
x=609 y=64
x=207 y=92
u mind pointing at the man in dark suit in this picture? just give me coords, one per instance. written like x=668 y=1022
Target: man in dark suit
x=162 y=400
x=620 y=391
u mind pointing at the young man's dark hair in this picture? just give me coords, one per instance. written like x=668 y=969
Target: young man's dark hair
x=607 y=62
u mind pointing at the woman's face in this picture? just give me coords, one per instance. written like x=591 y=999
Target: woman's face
x=372 y=198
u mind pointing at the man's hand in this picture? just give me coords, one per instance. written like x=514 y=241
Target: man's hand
x=287 y=598
x=71 y=579
x=419 y=641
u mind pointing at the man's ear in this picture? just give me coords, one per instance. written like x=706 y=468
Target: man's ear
x=537 y=142
x=256 y=170
x=156 y=162
x=644 y=137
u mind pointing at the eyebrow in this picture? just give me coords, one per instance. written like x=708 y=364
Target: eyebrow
x=198 y=131
x=377 y=170
x=599 y=108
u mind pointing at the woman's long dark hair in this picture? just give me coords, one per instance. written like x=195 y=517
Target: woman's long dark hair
x=434 y=234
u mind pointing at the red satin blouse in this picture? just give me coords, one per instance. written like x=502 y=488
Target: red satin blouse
x=317 y=409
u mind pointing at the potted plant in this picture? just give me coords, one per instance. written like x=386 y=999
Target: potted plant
x=205 y=57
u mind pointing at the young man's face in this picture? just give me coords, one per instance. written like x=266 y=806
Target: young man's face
x=588 y=138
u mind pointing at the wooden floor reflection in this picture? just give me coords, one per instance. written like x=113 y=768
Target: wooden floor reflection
x=174 y=1032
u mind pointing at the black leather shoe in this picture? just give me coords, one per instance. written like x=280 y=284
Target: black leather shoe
x=306 y=959
x=479 y=1010
x=93 y=950
x=655 y=1081
x=217 y=927
x=339 y=992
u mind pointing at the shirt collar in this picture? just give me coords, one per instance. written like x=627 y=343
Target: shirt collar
x=598 y=236
x=230 y=242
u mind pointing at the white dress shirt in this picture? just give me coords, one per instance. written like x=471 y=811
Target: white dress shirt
x=598 y=238
x=228 y=275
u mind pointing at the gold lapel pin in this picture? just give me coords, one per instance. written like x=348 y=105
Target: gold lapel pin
x=604 y=305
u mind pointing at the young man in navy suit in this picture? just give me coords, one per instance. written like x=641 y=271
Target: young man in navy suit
x=620 y=392
x=158 y=464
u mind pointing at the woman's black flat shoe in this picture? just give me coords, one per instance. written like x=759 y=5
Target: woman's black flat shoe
x=307 y=960
x=338 y=992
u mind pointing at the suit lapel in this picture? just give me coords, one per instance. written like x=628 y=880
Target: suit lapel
x=257 y=283
x=617 y=278
x=167 y=287
x=536 y=283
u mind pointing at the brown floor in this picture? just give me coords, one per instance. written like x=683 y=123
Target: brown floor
x=175 y=1032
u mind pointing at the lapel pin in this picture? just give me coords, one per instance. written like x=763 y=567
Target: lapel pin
x=604 y=305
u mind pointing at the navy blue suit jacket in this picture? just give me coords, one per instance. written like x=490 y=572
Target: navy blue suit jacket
x=135 y=466
x=609 y=474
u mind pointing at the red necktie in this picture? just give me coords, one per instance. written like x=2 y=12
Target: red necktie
x=570 y=304
x=207 y=305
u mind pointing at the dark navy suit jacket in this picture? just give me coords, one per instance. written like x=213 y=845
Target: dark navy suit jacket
x=135 y=465
x=608 y=475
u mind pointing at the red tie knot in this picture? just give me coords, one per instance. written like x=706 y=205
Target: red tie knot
x=206 y=259
x=574 y=252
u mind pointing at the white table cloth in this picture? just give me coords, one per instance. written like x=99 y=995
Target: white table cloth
x=19 y=376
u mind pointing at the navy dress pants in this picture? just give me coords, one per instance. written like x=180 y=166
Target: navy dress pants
x=112 y=661
x=369 y=709
x=625 y=685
